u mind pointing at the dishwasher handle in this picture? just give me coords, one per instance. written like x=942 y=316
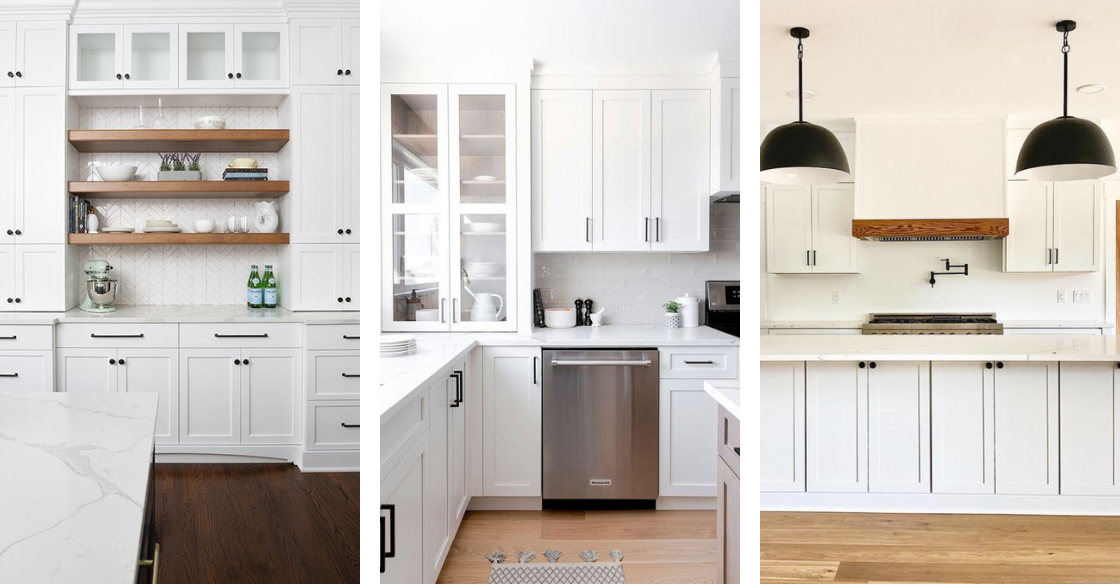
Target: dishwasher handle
x=603 y=362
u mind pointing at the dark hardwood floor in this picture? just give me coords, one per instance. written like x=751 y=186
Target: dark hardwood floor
x=220 y=523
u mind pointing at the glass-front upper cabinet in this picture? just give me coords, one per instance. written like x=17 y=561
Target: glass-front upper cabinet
x=124 y=56
x=226 y=55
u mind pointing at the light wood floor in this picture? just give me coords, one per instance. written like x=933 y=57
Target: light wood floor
x=661 y=547
x=958 y=549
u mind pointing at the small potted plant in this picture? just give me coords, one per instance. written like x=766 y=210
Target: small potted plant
x=174 y=166
x=672 y=314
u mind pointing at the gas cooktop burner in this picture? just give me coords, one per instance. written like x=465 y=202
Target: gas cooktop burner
x=933 y=324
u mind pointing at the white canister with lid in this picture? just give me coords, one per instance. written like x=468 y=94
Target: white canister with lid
x=690 y=310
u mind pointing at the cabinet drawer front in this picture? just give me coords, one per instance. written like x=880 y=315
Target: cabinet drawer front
x=25 y=338
x=700 y=362
x=333 y=375
x=333 y=426
x=118 y=335
x=333 y=337
x=729 y=439
x=239 y=335
x=26 y=371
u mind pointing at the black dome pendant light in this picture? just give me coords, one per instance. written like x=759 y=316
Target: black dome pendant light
x=1065 y=148
x=800 y=153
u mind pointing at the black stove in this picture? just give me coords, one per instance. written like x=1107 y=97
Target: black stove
x=933 y=324
x=721 y=311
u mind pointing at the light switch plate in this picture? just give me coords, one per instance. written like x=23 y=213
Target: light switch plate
x=1082 y=297
x=1061 y=296
x=836 y=298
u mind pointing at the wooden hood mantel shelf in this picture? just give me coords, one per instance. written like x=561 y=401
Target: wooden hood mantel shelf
x=930 y=229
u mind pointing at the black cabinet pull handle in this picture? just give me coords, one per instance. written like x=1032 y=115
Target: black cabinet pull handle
x=347 y=232
x=657 y=229
x=347 y=71
x=345 y=425
x=97 y=336
x=534 y=370
x=348 y=299
x=245 y=361
x=230 y=75
x=999 y=365
x=339 y=72
x=340 y=299
x=127 y=76
x=391 y=551
x=872 y=364
x=687 y=362
x=340 y=232
x=260 y=336
x=587 y=230
x=351 y=337
x=862 y=364
x=237 y=361
x=11 y=338
x=239 y=76
x=18 y=232
x=18 y=300
x=112 y=361
x=807 y=258
x=458 y=377
x=118 y=75
x=351 y=374
x=9 y=374
x=121 y=362
x=988 y=365
x=19 y=73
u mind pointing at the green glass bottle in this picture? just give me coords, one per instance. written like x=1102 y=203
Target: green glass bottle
x=255 y=292
x=269 y=284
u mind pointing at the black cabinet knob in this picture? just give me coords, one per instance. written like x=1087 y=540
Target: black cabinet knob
x=18 y=232
x=347 y=71
x=348 y=299
x=237 y=361
x=999 y=365
x=118 y=75
x=112 y=361
x=18 y=300
x=872 y=364
x=127 y=76
x=340 y=299
x=10 y=232
x=230 y=75
x=244 y=361
x=19 y=73
x=862 y=364
x=988 y=365
x=10 y=74
x=339 y=72
x=347 y=232
x=121 y=361
x=340 y=232
x=10 y=300
x=239 y=76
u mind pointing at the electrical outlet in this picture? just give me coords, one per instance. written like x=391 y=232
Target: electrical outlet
x=836 y=298
x=1081 y=297
x=1061 y=296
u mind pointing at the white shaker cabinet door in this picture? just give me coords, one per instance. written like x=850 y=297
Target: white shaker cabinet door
x=1077 y=226
x=27 y=371
x=7 y=278
x=352 y=268
x=963 y=421
x=87 y=370
x=8 y=54
x=728 y=541
x=836 y=427
x=465 y=399
x=687 y=465
x=40 y=189
x=270 y=395
x=511 y=439
x=898 y=427
x=153 y=371
x=40 y=54
x=403 y=494
x=317 y=174
x=350 y=194
x=1029 y=246
x=1026 y=412
x=782 y=426
x=437 y=520
x=834 y=248
x=316 y=51
x=1090 y=429
x=209 y=396
x=562 y=170
x=8 y=148
x=351 y=51
x=681 y=170
x=621 y=170
x=40 y=278
x=789 y=229
x=318 y=278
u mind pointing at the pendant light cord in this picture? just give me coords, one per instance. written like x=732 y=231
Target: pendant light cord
x=1065 y=74
x=800 y=92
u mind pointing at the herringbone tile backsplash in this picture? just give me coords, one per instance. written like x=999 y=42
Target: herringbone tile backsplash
x=177 y=274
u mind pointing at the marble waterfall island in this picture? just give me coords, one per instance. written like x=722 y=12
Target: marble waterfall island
x=74 y=485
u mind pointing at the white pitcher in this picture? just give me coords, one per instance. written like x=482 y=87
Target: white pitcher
x=484 y=309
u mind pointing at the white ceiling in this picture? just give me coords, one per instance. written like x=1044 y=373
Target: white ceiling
x=559 y=32
x=938 y=57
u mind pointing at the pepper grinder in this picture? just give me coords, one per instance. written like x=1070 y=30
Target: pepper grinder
x=587 y=311
x=579 y=312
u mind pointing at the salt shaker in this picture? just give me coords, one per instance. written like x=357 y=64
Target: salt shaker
x=579 y=312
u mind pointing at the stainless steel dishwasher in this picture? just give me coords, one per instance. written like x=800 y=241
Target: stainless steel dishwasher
x=600 y=428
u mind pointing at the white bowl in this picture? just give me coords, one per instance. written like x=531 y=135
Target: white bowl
x=559 y=317
x=243 y=163
x=204 y=225
x=115 y=172
x=210 y=123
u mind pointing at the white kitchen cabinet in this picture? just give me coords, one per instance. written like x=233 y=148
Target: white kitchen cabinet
x=511 y=436
x=898 y=401
x=33 y=54
x=33 y=278
x=726 y=145
x=321 y=206
x=809 y=230
x=9 y=289
x=963 y=427
x=836 y=427
x=350 y=193
x=460 y=399
x=351 y=51
x=112 y=56
x=438 y=531
x=87 y=370
x=727 y=524
x=563 y=201
x=215 y=56
x=687 y=467
x=325 y=277
x=1026 y=414
x=1089 y=429
x=209 y=396
x=32 y=191
x=1055 y=227
x=680 y=170
x=403 y=496
x=270 y=391
x=27 y=371
x=782 y=426
x=621 y=170
x=324 y=51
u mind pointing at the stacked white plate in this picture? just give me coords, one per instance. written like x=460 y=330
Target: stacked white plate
x=394 y=345
x=482 y=268
x=161 y=226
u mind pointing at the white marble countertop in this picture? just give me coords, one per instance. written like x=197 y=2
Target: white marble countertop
x=855 y=324
x=74 y=483
x=181 y=314
x=818 y=324
x=940 y=348
x=622 y=335
x=1055 y=324
x=726 y=394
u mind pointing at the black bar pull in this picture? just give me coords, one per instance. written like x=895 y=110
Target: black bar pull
x=534 y=370
x=9 y=374
x=687 y=362
x=382 y=545
x=351 y=337
x=221 y=336
x=458 y=375
x=807 y=252
x=345 y=425
x=351 y=374
x=391 y=551
x=11 y=338
x=814 y=257
x=455 y=400
x=97 y=336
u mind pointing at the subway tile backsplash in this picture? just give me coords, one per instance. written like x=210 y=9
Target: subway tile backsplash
x=631 y=287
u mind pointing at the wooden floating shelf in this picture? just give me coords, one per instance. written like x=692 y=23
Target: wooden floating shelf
x=178 y=238
x=204 y=189
x=930 y=229
x=178 y=140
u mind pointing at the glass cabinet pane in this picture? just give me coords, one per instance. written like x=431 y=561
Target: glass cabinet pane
x=97 y=56
x=416 y=267
x=415 y=143
x=482 y=149
x=150 y=57
x=483 y=271
x=206 y=56
x=260 y=56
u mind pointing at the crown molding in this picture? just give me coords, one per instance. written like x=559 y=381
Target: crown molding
x=38 y=8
